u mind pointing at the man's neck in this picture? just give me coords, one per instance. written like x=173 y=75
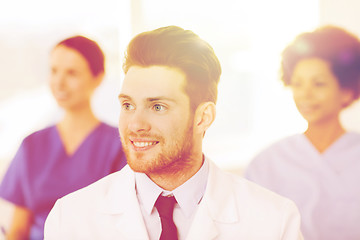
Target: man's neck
x=175 y=176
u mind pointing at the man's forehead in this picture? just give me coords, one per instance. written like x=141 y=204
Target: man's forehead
x=153 y=82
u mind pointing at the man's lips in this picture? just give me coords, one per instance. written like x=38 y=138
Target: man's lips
x=141 y=145
x=144 y=144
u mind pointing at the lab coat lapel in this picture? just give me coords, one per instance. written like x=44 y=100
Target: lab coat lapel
x=122 y=207
x=218 y=207
x=203 y=226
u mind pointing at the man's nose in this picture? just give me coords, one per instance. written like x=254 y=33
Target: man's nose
x=139 y=121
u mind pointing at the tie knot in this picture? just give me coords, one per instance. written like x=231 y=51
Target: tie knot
x=165 y=206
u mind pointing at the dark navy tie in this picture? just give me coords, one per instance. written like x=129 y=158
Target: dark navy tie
x=165 y=207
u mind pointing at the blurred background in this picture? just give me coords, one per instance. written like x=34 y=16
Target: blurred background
x=253 y=110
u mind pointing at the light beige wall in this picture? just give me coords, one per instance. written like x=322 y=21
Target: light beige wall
x=344 y=13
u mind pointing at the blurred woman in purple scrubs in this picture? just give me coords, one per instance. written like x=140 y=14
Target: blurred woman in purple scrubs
x=77 y=151
x=319 y=169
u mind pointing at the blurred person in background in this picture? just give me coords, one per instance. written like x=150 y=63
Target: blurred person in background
x=319 y=169
x=77 y=151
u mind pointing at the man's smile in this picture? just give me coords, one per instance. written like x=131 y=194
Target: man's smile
x=142 y=145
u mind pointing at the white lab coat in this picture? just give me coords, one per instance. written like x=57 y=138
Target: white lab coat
x=232 y=208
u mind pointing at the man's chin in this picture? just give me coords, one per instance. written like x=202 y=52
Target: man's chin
x=138 y=165
x=135 y=168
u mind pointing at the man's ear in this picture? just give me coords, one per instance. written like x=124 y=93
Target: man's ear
x=204 y=116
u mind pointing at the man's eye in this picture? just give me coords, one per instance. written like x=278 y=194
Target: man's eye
x=127 y=106
x=159 y=108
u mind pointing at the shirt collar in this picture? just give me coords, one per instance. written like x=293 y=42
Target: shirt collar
x=188 y=195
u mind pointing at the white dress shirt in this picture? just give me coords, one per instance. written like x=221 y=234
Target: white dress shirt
x=188 y=197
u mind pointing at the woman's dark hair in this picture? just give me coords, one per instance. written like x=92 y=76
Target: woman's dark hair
x=336 y=46
x=89 y=49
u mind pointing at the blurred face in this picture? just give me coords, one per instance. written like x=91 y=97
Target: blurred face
x=155 y=121
x=316 y=91
x=71 y=80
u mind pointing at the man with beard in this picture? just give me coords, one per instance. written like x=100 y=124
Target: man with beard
x=170 y=190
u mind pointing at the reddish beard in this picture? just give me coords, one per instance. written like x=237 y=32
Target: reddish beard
x=172 y=158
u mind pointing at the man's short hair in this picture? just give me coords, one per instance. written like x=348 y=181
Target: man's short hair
x=182 y=49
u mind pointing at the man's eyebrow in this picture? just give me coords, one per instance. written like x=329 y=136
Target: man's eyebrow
x=121 y=95
x=150 y=99
x=154 y=99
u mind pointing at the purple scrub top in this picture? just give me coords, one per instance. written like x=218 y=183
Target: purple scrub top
x=325 y=186
x=42 y=171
